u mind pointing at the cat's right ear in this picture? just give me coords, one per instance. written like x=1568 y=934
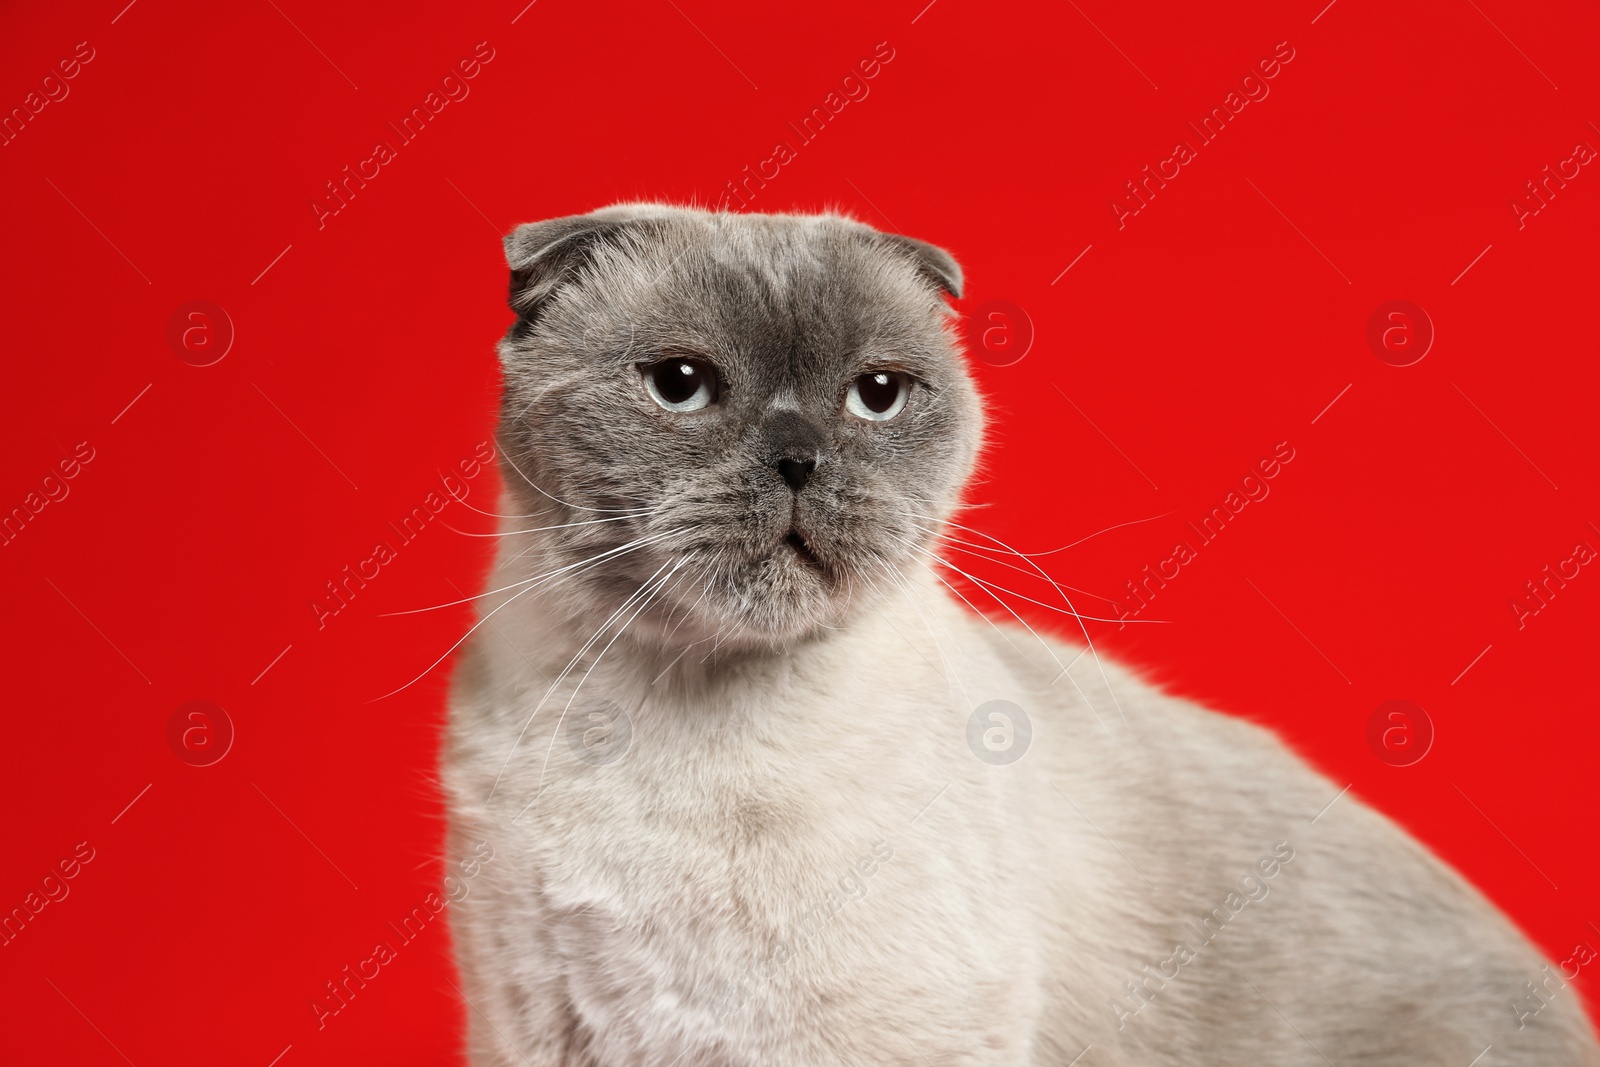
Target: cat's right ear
x=542 y=255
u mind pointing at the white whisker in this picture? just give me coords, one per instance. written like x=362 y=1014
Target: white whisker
x=1062 y=593
x=990 y=554
x=991 y=586
x=648 y=539
x=556 y=733
x=564 y=672
x=541 y=529
x=576 y=507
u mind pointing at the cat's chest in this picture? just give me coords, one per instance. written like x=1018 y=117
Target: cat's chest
x=724 y=836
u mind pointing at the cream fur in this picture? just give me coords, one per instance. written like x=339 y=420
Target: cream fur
x=798 y=859
x=1017 y=903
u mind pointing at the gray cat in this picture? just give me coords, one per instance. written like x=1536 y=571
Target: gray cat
x=758 y=789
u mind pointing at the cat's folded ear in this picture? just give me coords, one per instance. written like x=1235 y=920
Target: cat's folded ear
x=933 y=262
x=543 y=254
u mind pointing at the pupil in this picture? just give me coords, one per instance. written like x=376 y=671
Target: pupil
x=678 y=381
x=878 y=391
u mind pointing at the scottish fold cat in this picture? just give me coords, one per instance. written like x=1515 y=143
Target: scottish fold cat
x=763 y=792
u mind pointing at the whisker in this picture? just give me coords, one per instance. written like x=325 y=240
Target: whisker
x=952 y=678
x=648 y=539
x=564 y=672
x=451 y=649
x=1023 y=596
x=1062 y=593
x=594 y=562
x=492 y=514
x=982 y=615
x=538 y=529
x=1088 y=702
x=1070 y=544
x=974 y=549
x=558 y=500
x=1002 y=603
x=1097 y=533
x=556 y=733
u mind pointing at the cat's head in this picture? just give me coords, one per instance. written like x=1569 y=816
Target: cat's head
x=748 y=424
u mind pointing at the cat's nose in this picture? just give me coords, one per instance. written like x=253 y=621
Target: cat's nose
x=796 y=471
x=794 y=446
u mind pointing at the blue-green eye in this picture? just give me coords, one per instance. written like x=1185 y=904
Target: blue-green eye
x=878 y=396
x=681 y=384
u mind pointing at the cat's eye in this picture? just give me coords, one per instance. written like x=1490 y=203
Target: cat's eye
x=679 y=383
x=878 y=396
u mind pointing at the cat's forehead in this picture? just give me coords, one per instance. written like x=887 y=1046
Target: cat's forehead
x=781 y=298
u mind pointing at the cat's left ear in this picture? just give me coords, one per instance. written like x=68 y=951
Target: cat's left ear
x=933 y=262
x=543 y=254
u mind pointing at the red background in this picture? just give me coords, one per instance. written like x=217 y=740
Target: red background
x=1221 y=320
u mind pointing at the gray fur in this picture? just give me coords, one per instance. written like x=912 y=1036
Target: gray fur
x=798 y=860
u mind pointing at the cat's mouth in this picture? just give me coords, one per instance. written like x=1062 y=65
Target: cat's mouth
x=801 y=549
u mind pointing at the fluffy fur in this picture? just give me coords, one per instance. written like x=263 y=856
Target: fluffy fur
x=735 y=813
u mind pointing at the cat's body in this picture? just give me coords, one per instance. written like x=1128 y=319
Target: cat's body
x=792 y=847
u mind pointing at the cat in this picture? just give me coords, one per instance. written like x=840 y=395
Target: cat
x=760 y=789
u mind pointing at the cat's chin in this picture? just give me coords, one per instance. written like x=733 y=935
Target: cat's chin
x=769 y=605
